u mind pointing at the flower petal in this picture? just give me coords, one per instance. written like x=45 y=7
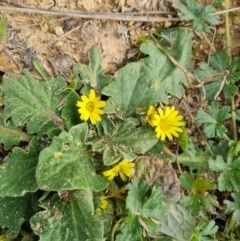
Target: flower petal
x=84 y=98
x=99 y=104
x=92 y=95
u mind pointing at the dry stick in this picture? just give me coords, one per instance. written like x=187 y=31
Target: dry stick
x=92 y=15
x=222 y=84
x=225 y=11
x=228 y=49
x=187 y=74
x=54 y=41
x=205 y=81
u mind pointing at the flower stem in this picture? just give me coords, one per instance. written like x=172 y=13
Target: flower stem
x=115 y=227
x=25 y=234
x=228 y=49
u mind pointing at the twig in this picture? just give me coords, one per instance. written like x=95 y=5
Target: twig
x=91 y=15
x=187 y=73
x=222 y=84
x=54 y=41
x=225 y=11
x=205 y=81
x=228 y=48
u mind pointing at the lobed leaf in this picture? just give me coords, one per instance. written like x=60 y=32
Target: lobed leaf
x=72 y=219
x=148 y=82
x=18 y=173
x=33 y=103
x=10 y=135
x=66 y=164
x=92 y=74
x=125 y=142
x=70 y=110
x=178 y=223
x=199 y=14
x=15 y=210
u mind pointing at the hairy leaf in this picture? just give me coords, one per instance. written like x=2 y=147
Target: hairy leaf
x=150 y=80
x=144 y=205
x=11 y=135
x=178 y=223
x=66 y=164
x=230 y=173
x=199 y=14
x=214 y=122
x=33 y=103
x=125 y=141
x=72 y=219
x=233 y=207
x=70 y=110
x=18 y=173
x=218 y=64
x=15 y=210
x=92 y=74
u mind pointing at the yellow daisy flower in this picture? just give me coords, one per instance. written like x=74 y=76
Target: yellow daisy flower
x=124 y=169
x=168 y=123
x=103 y=204
x=90 y=107
x=150 y=115
x=1 y=238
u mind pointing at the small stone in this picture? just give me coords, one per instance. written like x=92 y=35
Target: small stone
x=58 y=31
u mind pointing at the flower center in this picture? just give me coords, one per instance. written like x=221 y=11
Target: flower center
x=90 y=106
x=116 y=170
x=164 y=124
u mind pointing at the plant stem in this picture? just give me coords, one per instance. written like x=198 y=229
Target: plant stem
x=25 y=234
x=115 y=226
x=228 y=49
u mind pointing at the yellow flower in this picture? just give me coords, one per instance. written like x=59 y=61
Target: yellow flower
x=103 y=204
x=90 y=107
x=1 y=238
x=124 y=169
x=168 y=124
x=151 y=115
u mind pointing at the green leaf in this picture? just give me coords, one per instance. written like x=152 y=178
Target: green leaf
x=187 y=145
x=233 y=207
x=218 y=63
x=178 y=223
x=11 y=135
x=214 y=123
x=230 y=173
x=187 y=180
x=199 y=162
x=130 y=90
x=70 y=110
x=72 y=219
x=66 y=164
x=130 y=230
x=40 y=69
x=126 y=141
x=178 y=43
x=33 y=103
x=92 y=74
x=3 y=29
x=199 y=14
x=139 y=203
x=204 y=229
x=151 y=79
x=15 y=210
x=18 y=173
x=218 y=164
